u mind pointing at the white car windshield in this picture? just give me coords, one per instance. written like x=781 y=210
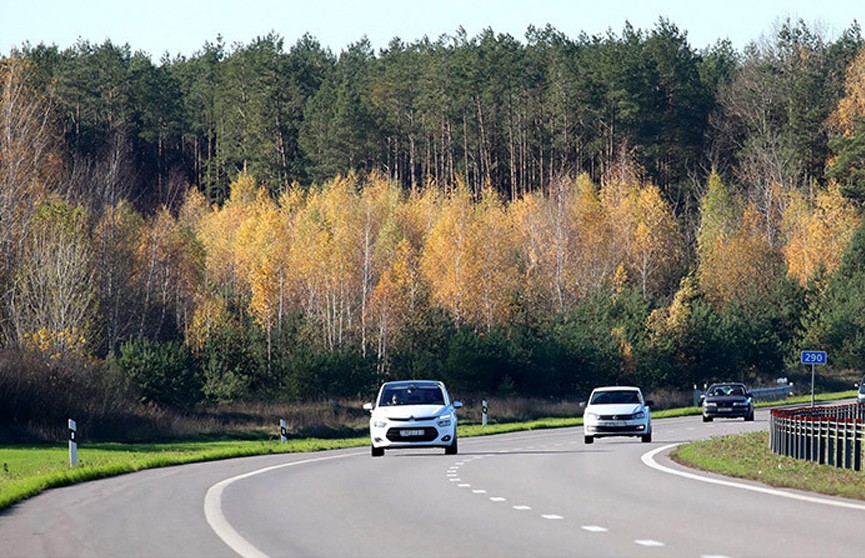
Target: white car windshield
x=411 y=395
x=615 y=397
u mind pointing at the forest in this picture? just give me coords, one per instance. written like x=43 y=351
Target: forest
x=531 y=217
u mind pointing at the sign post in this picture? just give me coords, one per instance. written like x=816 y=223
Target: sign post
x=73 y=443
x=813 y=358
x=484 y=413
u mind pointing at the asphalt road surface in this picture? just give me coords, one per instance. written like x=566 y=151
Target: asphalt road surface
x=542 y=493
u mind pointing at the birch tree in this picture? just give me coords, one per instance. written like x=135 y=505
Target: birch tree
x=52 y=299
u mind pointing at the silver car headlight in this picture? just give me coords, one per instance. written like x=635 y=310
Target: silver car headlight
x=710 y=404
x=444 y=420
x=640 y=415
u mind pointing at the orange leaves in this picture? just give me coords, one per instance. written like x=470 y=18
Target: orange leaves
x=818 y=235
x=360 y=260
x=852 y=106
x=492 y=268
x=644 y=233
x=262 y=259
x=578 y=238
x=397 y=298
x=445 y=253
x=743 y=260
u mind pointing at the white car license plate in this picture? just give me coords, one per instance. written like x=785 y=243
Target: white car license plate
x=410 y=433
x=615 y=423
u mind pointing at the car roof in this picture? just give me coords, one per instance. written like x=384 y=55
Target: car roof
x=398 y=383
x=727 y=384
x=617 y=388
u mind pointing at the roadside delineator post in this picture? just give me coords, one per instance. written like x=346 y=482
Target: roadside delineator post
x=484 y=412
x=283 y=434
x=73 y=442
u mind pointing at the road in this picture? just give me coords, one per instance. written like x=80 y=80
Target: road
x=542 y=493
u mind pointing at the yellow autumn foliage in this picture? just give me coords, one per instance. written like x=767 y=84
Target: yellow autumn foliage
x=818 y=235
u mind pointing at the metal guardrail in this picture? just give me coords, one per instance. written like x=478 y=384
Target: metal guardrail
x=830 y=435
x=774 y=393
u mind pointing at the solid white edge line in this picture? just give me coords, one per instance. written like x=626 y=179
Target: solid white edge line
x=220 y=525
x=648 y=458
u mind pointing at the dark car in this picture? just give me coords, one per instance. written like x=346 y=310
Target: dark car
x=727 y=400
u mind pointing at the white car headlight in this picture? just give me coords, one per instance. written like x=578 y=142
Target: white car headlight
x=444 y=420
x=379 y=423
x=593 y=416
x=710 y=404
x=640 y=415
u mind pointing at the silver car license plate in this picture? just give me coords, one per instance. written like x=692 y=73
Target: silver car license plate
x=410 y=433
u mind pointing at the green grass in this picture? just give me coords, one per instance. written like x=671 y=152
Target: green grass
x=27 y=470
x=747 y=456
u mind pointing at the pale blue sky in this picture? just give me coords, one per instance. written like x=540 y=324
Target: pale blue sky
x=183 y=26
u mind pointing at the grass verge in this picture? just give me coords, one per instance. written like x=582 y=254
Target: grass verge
x=29 y=470
x=747 y=456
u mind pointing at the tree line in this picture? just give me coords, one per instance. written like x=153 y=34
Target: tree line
x=538 y=218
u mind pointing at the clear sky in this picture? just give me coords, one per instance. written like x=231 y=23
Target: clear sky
x=183 y=26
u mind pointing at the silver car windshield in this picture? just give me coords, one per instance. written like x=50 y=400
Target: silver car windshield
x=411 y=395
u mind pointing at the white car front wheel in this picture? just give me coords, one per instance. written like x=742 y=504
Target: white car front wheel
x=453 y=448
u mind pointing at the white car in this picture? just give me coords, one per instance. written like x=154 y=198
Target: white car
x=617 y=411
x=413 y=414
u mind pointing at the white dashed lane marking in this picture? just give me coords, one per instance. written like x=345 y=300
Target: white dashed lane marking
x=453 y=476
x=648 y=542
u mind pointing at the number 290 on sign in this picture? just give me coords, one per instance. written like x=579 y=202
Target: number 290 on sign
x=813 y=357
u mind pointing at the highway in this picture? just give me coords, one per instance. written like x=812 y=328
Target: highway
x=541 y=493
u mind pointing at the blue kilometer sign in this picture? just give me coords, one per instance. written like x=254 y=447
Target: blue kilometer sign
x=813 y=357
